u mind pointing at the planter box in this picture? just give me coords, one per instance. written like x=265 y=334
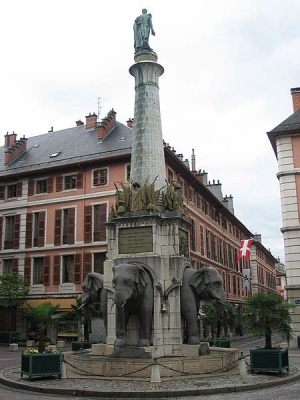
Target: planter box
x=81 y=345
x=41 y=365
x=269 y=360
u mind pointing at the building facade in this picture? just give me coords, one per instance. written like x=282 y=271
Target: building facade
x=285 y=140
x=56 y=192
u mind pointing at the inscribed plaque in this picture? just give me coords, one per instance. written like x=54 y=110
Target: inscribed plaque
x=135 y=240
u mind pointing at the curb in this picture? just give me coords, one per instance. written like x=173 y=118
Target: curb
x=148 y=394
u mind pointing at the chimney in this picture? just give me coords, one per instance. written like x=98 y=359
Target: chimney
x=91 y=121
x=14 y=150
x=193 y=160
x=107 y=124
x=228 y=203
x=216 y=189
x=79 y=123
x=203 y=176
x=257 y=237
x=187 y=163
x=130 y=123
x=295 y=92
x=9 y=139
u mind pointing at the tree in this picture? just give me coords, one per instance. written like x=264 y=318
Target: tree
x=41 y=317
x=265 y=312
x=12 y=292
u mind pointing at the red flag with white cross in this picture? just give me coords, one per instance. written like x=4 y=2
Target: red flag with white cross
x=245 y=249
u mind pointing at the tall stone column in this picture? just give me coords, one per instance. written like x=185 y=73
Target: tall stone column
x=147 y=158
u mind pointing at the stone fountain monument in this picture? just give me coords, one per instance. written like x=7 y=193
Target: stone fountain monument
x=149 y=292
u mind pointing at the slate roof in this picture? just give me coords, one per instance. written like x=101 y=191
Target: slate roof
x=287 y=127
x=74 y=144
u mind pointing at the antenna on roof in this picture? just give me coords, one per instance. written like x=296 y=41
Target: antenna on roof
x=99 y=108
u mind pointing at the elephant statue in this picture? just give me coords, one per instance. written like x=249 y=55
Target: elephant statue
x=133 y=295
x=93 y=292
x=203 y=284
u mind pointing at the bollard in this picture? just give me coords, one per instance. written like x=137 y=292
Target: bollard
x=60 y=344
x=13 y=347
x=155 y=374
x=63 y=370
x=243 y=369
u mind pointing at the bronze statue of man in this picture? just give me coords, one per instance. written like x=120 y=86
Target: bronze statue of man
x=142 y=28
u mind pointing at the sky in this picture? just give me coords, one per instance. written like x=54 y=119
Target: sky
x=229 y=66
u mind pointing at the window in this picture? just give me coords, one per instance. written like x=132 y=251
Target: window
x=8 y=266
x=41 y=186
x=38 y=271
x=9 y=232
x=100 y=177
x=70 y=182
x=99 y=259
x=99 y=222
x=11 y=191
x=68 y=269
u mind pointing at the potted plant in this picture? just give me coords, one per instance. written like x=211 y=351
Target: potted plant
x=263 y=313
x=41 y=318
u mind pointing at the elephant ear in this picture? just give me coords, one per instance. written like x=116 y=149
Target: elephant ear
x=140 y=278
x=200 y=279
x=92 y=283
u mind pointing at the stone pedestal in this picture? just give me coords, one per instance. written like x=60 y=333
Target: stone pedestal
x=153 y=241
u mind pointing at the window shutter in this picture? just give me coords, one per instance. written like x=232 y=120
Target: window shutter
x=41 y=229
x=2 y=192
x=1 y=231
x=79 y=182
x=87 y=265
x=71 y=225
x=50 y=184
x=46 y=275
x=28 y=242
x=19 y=189
x=30 y=187
x=15 y=267
x=27 y=271
x=77 y=273
x=17 y=232
x=59 y=183
x=102 y=230
x=56 y=270
x=88 y=224
x=57 y=230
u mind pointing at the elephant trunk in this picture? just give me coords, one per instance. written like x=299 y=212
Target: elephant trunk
x=122 y=296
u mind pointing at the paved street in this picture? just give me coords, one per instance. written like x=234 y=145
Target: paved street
x=288 y=392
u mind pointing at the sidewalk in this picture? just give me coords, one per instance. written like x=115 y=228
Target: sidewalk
x=128 y=388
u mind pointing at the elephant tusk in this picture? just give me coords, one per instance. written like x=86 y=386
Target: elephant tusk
x=124 y=304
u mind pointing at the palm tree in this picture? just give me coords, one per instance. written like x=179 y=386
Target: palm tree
x=265 y=312
x=41 y=317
